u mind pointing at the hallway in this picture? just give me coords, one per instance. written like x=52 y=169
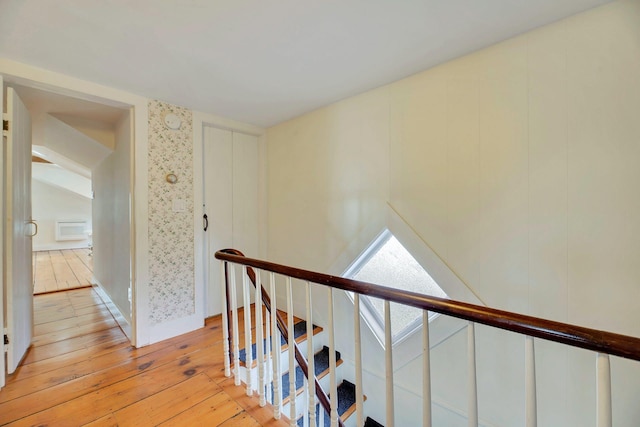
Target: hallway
x=81 y=370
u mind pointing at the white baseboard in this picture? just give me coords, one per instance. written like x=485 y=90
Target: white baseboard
x=122 y=321
x=82 y=244
x=173 y=328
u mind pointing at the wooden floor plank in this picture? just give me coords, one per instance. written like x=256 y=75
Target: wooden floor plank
x=64 y=360
x=93 y=405
x=163 y=405
x=74 y=389
x=80 y=270
x=81 y=370
x=85 y=256
x=240 y=420
x=61 y=270
x=212 y=411
x=76 y=331
x=37 y=353
x=263 y=415
x=106 y=421
x=71 y=322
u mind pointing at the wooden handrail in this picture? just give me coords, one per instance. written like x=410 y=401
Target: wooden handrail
x=323 y=399
x=576 y=336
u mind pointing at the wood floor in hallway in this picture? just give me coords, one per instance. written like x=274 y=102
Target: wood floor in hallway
x=61 y=270
x=81 y=370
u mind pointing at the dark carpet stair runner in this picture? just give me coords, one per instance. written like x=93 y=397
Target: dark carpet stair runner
x=346 y=389
x=299 y=334
x=321 y=368
x=346 y=406
x=370 y=422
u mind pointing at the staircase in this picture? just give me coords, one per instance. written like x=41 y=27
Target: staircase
x=603 y=344
x=345 y=390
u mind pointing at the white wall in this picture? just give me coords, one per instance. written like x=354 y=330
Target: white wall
x=517 y=165
x=50 y=203
x=111 y=219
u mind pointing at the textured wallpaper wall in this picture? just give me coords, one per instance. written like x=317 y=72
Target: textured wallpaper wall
x=171 y=254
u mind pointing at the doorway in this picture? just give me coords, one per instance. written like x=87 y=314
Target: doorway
x=70 y=137
x=76 y=141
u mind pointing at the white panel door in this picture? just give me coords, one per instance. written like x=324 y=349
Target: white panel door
x=245 y=194
x=218 y=201
x=230 y=165
x=19 y=230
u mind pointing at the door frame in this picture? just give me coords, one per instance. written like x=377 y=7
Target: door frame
x=3 y=368
x=25 y=75
x=201 y=266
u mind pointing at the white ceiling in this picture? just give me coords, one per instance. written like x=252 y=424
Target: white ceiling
x=259 y=61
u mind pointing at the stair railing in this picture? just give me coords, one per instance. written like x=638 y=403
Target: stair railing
x=605 y=344
x=231 y=340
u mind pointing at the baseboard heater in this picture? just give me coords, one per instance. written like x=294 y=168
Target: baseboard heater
x=71 y=230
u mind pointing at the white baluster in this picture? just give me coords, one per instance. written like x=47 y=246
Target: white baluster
x=359 y=394
x=530 y=383
x=604 y=391
x=473 y=387
x=225 y=320
x=276 y=350
x=305 y=394
x=259 y=339
x=310 y=357
x=333 y=390
x=235 y=327
x=292 y=368
x=268 y=349
x=247 y=329
x=426 y=371
x=388 y=349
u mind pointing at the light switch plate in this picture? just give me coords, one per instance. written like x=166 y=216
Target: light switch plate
x=179 y=205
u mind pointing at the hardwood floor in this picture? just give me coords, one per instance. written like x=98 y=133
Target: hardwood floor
x=81 y=370
x=61 y=270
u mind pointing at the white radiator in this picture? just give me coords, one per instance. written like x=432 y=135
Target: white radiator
x=71 y=230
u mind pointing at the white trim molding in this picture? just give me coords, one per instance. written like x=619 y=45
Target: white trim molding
x=120 y=319
x=429 y=260
x=26 y=75
x=173 y=328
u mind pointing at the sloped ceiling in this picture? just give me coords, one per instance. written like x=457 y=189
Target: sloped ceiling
x=258 y=61
x=69 y=142
x=70 y=132
x=59 y=177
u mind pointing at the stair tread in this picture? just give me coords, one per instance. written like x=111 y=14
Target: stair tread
x=346 y=403
x=346 y=399
x=321 y=361
x=300 y=334
x=370 y=422
x=321 y=368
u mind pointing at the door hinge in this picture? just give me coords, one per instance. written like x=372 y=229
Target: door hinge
x=5 y=125
x=6 y=339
